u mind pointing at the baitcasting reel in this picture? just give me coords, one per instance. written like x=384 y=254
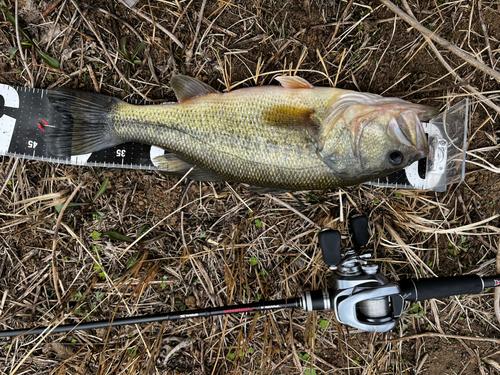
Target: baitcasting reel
x=360 y=296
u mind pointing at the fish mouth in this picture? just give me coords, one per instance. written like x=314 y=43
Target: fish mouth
x=408 y=131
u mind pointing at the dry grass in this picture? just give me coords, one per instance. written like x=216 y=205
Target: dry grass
x=60 y=268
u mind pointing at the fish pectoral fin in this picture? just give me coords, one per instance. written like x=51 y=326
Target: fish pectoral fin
x=200 y=174
x=187 y=88
x=292 y=116
x=173 y=165
x=294 y=82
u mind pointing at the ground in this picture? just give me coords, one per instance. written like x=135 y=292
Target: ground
x=221 y=243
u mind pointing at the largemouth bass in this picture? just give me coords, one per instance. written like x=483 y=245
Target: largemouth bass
x=282 y=138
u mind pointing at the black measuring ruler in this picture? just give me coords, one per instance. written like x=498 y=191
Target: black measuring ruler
x=27 y=118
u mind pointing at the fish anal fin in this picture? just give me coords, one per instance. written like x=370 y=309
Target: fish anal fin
x=294 y=82
x=266 y=190
x=200 y=174
x=173 y=165
x=187 y=88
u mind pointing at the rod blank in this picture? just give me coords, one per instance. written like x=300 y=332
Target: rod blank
x=199 y=313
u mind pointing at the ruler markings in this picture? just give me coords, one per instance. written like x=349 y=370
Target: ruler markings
x=32 y=142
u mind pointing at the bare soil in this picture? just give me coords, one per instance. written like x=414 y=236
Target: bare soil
x=221 y=243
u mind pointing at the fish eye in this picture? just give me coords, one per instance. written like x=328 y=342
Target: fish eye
x=396 y=157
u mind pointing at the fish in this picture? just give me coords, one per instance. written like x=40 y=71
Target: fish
x=288 y=137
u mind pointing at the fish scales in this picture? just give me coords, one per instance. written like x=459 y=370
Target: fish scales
x=227 y=134
x=289 y=137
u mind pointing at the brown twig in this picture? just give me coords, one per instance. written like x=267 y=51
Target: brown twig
x=151 y=64
x=50 y=8
x=142 y=15
x=189 y=52
x=55 y=275
x=66 y=76
x=344 y=14
x=483 y=98
x=497 y=290
x=300 y=214
x=284 y=46
x=105 y=50
x=218 y=28
x=93 y=77
x=441 y=41
x=129 y=26
x=421 y=364
x=467 y=216
x=181 y=16
x=485 y=31
x=19 y=45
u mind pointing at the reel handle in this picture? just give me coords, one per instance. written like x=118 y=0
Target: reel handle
x=329 y=241
x=359 y=228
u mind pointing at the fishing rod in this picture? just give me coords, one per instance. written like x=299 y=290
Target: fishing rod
x=359 y=296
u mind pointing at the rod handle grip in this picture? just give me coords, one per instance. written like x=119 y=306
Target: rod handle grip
x=440 y=287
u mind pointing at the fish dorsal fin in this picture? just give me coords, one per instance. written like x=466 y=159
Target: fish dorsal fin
x=187 y=88
x=294 y=82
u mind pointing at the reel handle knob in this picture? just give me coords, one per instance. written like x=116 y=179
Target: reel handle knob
x=329 y=241
x=359 y=228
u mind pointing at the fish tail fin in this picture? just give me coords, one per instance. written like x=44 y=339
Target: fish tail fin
x=87 y=122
